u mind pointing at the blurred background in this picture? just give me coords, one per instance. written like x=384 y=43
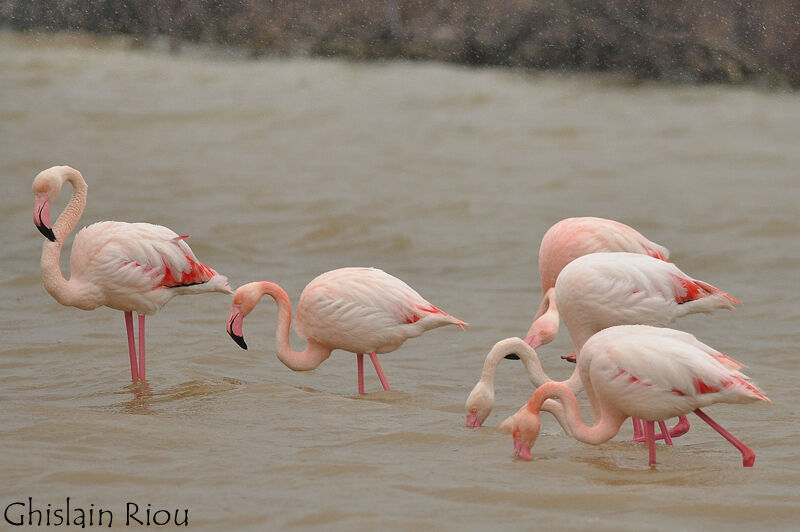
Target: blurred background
x=699 y=41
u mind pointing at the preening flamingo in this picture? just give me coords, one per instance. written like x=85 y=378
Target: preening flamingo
x=646 y=372
x=601 y=290
x=125 y=266
x=361 y=310
x=566 y=241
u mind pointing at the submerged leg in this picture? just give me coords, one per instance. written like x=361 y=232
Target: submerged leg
x=748 y=456
x=131 y=345
x=141 y=348
x=381 y=376
x=360 y=362
x=649 y=434
x=665 y=432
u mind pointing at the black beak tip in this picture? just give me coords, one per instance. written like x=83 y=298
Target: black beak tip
x=512 y=356
x=239 y=340
x=47 y=232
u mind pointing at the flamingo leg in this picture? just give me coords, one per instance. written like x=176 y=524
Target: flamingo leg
x=374 y=357
x=665 y=432
x=748 y=456
x=681 y=428
x=651 y=441
x=638 y=435
x=360 y=362
x=141 y=348
x=131 y=345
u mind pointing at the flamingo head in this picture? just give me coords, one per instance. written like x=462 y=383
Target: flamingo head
x=479 y=404
x=46 y=187
x=524 y=428
x=543 y=330
x=245 y=300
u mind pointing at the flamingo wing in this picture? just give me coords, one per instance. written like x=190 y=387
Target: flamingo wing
x=655 y=373
x=364 y=307
x=126 y=260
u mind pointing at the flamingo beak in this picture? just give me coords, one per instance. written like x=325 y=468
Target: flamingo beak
x=41 y=216
x=521 y=450
x=234 y=326
x=473 y=421
x=512 y=356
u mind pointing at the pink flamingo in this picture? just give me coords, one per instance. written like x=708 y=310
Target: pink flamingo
x=647 y=372
x=124 y=266
x=566 y=241
x=361 y=310
x=601 y=290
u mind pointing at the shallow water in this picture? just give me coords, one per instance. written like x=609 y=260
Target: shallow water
x=443 y=176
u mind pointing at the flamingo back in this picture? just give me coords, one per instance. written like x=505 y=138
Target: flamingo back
x=655 y=373
x=139 y=266
x=574 y=237
x=364 y=310
x=606 y=289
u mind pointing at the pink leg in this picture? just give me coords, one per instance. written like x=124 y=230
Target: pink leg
x=378 y=368
x=651 y=441
x=141 y=348
x=748 y=456
x=131 y=345
x=360 y=361
x=681 y=428
x=665 y=432
x=638 y=435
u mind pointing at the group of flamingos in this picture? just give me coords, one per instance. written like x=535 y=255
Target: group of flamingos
x=614 y=290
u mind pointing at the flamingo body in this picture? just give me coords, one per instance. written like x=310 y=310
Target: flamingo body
x=602 y=290
x=137 y=267
x=572 y=238
x=364 y=310
x=125 y=266
x=640 y=371
x=361 y=310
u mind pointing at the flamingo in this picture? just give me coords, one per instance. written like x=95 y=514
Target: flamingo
x=566 y=241
x=125 y=266
x=601 y=290
x=481 y=399
x=361 y=310
x=647 y=372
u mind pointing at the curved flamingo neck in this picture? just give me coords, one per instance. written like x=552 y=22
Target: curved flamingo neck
x=605 y=427
x=66 y=292
x=314 y=354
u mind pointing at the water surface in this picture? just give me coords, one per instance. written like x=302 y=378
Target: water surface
x=443 y=176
